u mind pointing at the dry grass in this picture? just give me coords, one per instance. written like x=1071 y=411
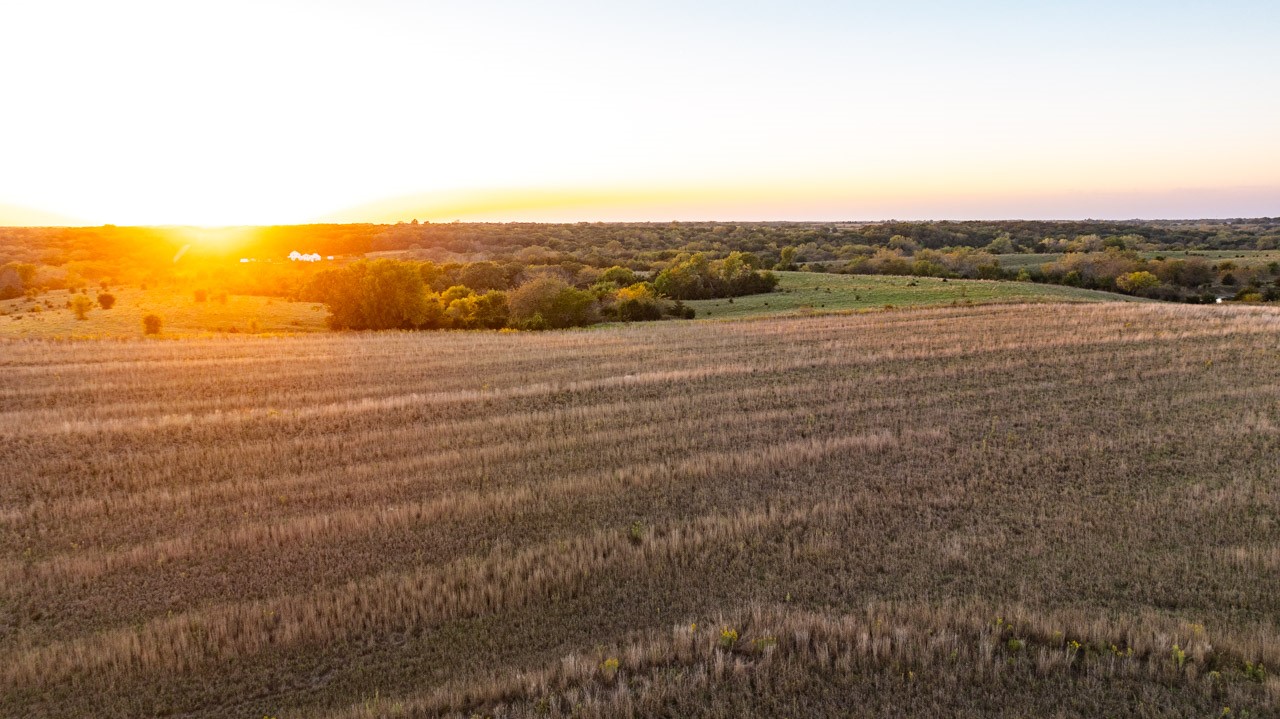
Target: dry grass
x=47 y=315
x=887 y=658
x=476 y=523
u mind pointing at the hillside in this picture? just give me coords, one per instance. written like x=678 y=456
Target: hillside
x=990 y=511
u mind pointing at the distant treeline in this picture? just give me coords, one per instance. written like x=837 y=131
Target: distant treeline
x=130 y=254
x=606 y=242
x=397 y=294
x=1093 y=265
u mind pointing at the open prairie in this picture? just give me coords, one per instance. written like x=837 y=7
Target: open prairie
x=1007 y=510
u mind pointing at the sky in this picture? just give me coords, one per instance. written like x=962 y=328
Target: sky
x=283 y=111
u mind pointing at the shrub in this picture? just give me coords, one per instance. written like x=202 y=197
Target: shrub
x=639 y=310
x=151 y=325
x=81 y=306
x=106 y=300
x=1137 y=281
x=553 y=302
x=638 y=303
x=201 y=295
x=680 y=310
x=536 y=322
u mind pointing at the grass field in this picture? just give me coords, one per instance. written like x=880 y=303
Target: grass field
x=181 y=315
x=816 y=292
x=1249 y=258
x=993 y=511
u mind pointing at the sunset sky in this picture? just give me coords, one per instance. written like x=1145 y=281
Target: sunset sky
x=272 y=111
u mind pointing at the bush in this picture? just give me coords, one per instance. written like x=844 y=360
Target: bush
x=201 y=295
x=634 y=310
x=638 y=303
x=81 y=305
x=680 y=310
x=106 y=300
x=151 y=325
x=1137 y=281
x=620 y=276
x=728 y=637
x=552 y=302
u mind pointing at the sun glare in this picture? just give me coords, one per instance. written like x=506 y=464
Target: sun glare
x=220 y=240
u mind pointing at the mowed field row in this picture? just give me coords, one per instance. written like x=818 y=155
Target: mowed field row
x=289 y=526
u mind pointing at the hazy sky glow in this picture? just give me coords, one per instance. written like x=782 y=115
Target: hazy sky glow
x=283 y=111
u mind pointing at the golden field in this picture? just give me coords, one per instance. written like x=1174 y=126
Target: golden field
x=48 y=316
x=1048 y=509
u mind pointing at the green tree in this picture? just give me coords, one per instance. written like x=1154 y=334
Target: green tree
x=551 y=302
x=483 y=276
x=620 y=276
x=688 y=278
x=378 y=295
x=639 y=303
x=1137 y=281
x=906 y=245
x=1002 y=245
x=490 y=310
x=15 y=279
x=392 y=296
x=786 y=259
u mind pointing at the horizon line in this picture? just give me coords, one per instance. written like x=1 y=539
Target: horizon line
x=415 y=221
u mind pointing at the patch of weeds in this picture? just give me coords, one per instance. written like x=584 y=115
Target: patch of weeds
x=728 y=637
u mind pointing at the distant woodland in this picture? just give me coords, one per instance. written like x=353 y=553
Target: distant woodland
x=655 y=264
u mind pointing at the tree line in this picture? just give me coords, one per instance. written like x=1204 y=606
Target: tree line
x=398 y=294
x=1093 y=264
x=74 y=257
